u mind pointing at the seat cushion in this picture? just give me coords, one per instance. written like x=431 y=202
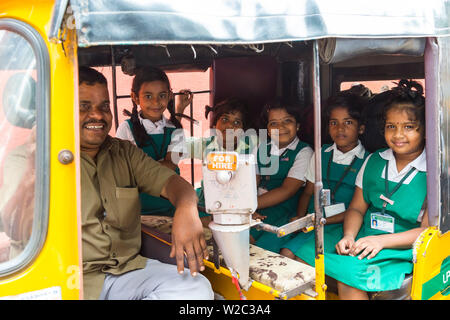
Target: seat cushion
x=160 y=223
x=277 y=271
x=271 y=269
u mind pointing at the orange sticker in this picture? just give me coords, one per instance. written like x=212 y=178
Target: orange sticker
x=222 y=161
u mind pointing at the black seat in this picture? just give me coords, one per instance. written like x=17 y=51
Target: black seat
x=402 y=293
x=156 y=245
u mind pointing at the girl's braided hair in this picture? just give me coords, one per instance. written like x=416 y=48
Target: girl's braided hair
x=407 y=96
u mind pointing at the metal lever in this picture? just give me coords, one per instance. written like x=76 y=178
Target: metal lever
x=284 y=230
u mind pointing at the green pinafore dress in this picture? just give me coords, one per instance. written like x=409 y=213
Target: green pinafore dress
x=281 y=213
x=156 y=147
x=340 y=180
x=387 y=270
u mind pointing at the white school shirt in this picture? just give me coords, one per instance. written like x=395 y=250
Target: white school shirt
x=301 y=162
x=124 y=131
x=420 y=163
x=338 y=157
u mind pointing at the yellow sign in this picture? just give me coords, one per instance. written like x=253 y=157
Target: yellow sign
x=222 y=161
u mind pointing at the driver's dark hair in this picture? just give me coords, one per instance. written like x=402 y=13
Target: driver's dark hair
x=90 y=76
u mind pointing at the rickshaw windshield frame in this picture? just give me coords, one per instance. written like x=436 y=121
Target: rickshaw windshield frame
x=42 y=162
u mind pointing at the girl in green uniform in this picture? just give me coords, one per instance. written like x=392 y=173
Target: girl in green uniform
x=150 y=130
x=387 y=212
x=282 y=165
x=228 y=115
x=341 y=162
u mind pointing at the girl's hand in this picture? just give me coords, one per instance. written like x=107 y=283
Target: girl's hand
x=257 y=216
x=370 y=246
x=344 y=246
x=184 y=99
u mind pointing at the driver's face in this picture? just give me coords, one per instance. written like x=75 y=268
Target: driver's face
x=95 y=115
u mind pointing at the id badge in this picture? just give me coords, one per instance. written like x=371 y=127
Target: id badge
x=382 y=222
x=334 y=209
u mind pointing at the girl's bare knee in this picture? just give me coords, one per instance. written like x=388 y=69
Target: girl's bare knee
x=287 y=253
x=347 y=292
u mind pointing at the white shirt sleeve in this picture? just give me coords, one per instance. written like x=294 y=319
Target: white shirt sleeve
x=177 y=142
x=359 y=177
x=301 y=163
x=124 y=132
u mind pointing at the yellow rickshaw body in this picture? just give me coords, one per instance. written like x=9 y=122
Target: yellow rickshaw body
x=431 y=280
x=58 y=264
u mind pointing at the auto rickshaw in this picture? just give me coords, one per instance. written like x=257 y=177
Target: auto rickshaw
x=302 y=49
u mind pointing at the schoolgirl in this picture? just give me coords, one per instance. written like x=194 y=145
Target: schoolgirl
x=150 y=130
x=230 y=120
x=341 y=162
x=282 y=165
x=383 y=219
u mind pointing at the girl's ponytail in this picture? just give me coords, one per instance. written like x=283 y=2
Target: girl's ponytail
x=208 y=109
x=410 y=90
x=173 y=115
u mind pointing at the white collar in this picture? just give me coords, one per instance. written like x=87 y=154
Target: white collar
x=276 y=152
x=339 y=156
x=420 y=163
x=155 y=127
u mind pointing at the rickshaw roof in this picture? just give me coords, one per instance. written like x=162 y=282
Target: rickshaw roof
x=127 y=22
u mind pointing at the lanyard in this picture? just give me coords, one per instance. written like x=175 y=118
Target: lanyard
x=284 y=153
x=338 y=184
x=387 y=194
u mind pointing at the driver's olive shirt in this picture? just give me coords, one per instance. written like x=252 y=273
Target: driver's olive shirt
x=110 y=208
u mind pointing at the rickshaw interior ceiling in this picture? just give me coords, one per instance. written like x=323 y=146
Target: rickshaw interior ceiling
x=200 y=57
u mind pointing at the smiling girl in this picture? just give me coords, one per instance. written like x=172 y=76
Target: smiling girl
x=229 y=121
x=341 y=162
x=282 y=165
x=150 y=130
x=388 y=210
